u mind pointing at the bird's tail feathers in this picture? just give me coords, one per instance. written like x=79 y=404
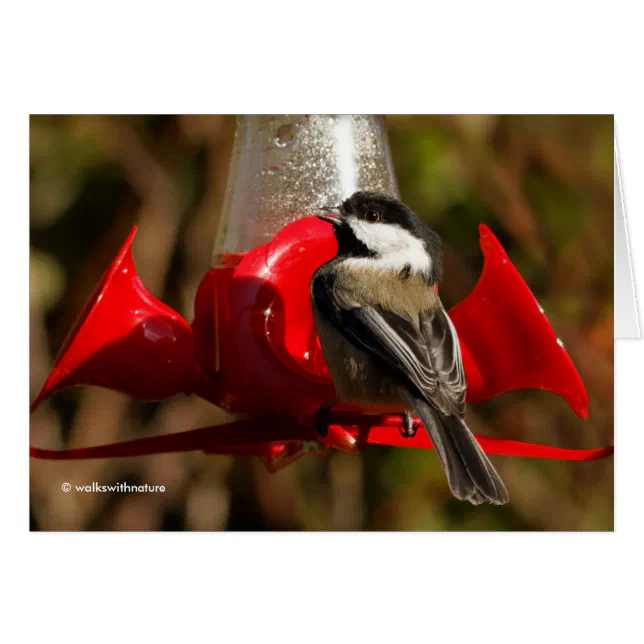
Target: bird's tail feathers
x=469 y=472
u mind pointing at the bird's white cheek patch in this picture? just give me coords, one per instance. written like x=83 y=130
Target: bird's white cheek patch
x=395 y=247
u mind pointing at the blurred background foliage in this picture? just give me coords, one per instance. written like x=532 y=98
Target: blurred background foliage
x=544 y=184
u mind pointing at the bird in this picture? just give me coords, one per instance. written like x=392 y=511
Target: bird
x=387 y=339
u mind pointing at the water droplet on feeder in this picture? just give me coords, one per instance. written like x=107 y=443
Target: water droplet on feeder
x=285 y=135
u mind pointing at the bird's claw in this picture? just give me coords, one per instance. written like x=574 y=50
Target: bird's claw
x=321 y=421
x=322 y=418
x=408 y=430
x=339 y=437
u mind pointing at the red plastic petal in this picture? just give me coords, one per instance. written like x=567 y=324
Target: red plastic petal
x=508 y=342
x=127 y=340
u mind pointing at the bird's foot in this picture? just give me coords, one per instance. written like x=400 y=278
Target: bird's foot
x=322 y=418
x=321 y=422
x=338 y=437
x=408 y=430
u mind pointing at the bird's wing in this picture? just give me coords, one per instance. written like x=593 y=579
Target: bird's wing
x=424 y=352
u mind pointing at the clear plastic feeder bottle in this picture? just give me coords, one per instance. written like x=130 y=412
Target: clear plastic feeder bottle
x=285 y=167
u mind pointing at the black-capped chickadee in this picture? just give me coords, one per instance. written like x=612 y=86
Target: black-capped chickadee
x=387 y=339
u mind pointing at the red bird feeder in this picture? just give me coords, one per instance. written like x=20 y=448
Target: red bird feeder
x=252 y=347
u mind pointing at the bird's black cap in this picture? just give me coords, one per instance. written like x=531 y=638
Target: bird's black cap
x=392 y=211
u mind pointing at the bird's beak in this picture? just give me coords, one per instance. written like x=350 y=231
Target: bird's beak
x=332 y=215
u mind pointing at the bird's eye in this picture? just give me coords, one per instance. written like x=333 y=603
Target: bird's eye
x=372 y=216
